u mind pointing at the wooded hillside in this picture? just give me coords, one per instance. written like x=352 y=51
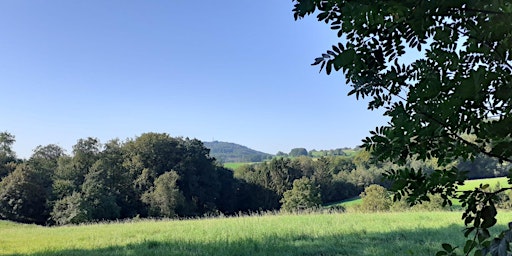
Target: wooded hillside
x=227 y=152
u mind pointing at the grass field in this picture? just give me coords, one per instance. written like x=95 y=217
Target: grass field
x=468 y=185
x=234 y=166
x=471 y=184
x=315 y=234
x=348 y=202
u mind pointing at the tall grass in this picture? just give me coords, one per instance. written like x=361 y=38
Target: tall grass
x=314 y=234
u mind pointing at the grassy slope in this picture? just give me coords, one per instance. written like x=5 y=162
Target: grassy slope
x=335 y=234
x=471 y=184
x=468 y=185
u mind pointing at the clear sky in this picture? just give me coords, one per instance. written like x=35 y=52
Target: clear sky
x=232 y=70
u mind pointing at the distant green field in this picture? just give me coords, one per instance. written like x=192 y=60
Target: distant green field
x=472 y=184
x=351 y=152
x=468 y=185
x=411 y=233
x=348 y=152
x=348 y=202
x=234 y=166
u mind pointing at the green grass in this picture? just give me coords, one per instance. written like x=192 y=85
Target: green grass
x=472 y=184
x=315 y=234
x=351 y=152
x=348 y=202
x=234 y=166
x=468 y=185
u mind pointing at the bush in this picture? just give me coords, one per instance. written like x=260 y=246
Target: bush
x=375 y=198
x=70 y=210
x=303 y=196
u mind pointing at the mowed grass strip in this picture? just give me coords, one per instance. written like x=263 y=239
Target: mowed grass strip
x=418 y=233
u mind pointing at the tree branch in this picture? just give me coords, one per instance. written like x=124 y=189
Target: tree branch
x=484 y=11
x=456 y=136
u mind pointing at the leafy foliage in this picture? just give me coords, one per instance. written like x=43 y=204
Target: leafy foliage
x=23 y=195
x=165 y=196
x=298 y=152
x=375 y=199
x=7 y=156
x=304 y=195
x=441 y=70
x=156 y=175
x=70 y=210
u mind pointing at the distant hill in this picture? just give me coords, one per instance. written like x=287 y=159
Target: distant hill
x=227 y=152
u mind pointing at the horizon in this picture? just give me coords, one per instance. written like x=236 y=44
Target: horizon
x=68 y=151
x=237 y=72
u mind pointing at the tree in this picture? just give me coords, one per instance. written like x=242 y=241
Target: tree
x=99 y=192
x=153 y=154
x=254 y=189
x=23 y=195
x=6 y=141
x=440 y=69
x=375 y=198
x=7 y=155
x=281 y=174
x=298 y=152
x=70 y=210
x=71 y=170
x=304 y=195
x=165 y=197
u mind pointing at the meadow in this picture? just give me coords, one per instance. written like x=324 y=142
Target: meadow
x=405 y=233
x=234 y=166
x=468 y=185
x=471 y=184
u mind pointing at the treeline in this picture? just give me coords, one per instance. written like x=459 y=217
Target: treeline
x=295 y=152
x=337 y=178
x=153 y=175
x=156 y=175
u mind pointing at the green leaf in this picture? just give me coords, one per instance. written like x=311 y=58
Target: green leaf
x=328 y=67
x=447 y=247
x=468 y=231
x=344 y=58
x=470 y=244
x=489 y=222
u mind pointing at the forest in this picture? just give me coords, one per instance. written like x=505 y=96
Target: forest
x=158 y=176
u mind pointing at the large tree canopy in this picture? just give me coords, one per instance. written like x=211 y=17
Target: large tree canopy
x=442 y=70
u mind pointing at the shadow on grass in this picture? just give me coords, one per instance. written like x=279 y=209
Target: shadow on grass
x=421 y=241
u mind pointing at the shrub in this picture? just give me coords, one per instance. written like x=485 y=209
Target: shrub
x=304 y=195
x=375 y=198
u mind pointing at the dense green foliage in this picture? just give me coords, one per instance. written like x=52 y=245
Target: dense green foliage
x=304 y=195
x=375 y=199
x=330 y=152
x=380 y=234
x=152 y=175
x=295 y=152
x=226 y=152
x=155 y=175
x=442 y=71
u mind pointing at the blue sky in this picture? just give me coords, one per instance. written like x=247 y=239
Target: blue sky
x=236 y=71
